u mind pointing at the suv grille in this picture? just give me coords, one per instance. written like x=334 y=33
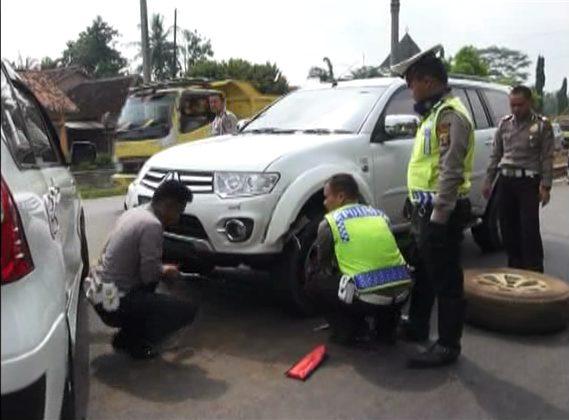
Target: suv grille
x=197 y=182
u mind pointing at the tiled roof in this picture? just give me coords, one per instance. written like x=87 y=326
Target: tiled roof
x=49 y=95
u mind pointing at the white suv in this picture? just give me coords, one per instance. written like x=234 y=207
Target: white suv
x=258 y=194
x=45 y=357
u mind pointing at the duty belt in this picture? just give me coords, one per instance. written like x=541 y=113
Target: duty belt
x=424 y=198
x=518 y=173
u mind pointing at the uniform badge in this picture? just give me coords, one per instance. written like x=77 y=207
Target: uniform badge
x=443 y=133
x=534 y=129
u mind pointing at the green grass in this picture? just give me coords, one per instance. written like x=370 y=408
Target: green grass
x=87 y=192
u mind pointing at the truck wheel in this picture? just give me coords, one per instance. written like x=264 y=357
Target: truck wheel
x=487 y=235
x=291 y=270
x=516 y=301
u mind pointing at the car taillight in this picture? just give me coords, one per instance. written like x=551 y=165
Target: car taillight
x=16 y=258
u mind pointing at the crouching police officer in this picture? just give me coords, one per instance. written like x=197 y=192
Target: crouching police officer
x=438 y=180
x=359 y=272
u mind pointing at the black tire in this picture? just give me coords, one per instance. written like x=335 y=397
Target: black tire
x=516 y=301
x=76 y=394
x=290 y=271
x=487 y=235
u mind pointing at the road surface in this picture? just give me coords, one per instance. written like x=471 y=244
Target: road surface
x=242 y=343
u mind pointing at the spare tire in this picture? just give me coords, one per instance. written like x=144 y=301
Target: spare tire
x=516 y=301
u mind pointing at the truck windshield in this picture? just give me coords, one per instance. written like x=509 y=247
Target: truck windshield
x=146 y=117
x=321 y=111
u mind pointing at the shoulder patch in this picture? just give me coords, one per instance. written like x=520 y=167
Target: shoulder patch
x=443 y=133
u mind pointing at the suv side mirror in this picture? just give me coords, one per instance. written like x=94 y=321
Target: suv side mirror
x=83 y=152
x=401 y=126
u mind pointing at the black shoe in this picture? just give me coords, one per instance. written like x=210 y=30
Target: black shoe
x=120 y=342
x=407 y=332
x=143 y=351
x=435 y=356
x=134 y=348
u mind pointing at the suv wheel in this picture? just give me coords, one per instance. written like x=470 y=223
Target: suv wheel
x=291 y=269
x=487 y=235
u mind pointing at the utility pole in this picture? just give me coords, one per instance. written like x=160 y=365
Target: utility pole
x=394 y=31
x=175 y=57
x=145 y=48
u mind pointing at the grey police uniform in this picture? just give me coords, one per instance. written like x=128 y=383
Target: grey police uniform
x=224 y=123
x=522 y=158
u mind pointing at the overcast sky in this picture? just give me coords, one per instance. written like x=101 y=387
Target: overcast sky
x=296 y=34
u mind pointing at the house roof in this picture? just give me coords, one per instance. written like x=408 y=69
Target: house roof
x=49 y=95
x=407 y=48
x=61 y=73
x=97 y=97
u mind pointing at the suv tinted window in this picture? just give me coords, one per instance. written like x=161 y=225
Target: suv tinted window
x=401 y=104
x=499 y=104
x=13 y=127
x=480 y=118
x=38 y=132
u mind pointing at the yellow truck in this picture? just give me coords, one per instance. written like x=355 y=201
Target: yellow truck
x=160 y=115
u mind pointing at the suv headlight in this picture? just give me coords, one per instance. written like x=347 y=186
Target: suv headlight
x=243 y=184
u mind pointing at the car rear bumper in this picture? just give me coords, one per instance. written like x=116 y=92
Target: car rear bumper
x=23 y=375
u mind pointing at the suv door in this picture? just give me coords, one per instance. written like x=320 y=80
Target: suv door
x=61 y=199
x=484 y=137
x=390 y=157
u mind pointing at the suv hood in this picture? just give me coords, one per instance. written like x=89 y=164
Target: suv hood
x=244 y=152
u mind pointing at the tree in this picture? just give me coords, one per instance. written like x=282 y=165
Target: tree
x=550 y=103
x=366 y=72
x=468 y=61
x=319 y=73
x=505 y=65
x=95 y=50
x=562 y=100
x=195 y=49
x=539 y=82
x=267 y=78
x=47 y=63
x=161 y=50
x=28 y=64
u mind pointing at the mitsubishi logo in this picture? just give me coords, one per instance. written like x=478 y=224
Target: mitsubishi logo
x=172 y=176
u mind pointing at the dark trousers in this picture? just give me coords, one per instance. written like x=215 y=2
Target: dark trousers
x=519 y=221
x=438 y=273
x=145 y=316
x=349 y=321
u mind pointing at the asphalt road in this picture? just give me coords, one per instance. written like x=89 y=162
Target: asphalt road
x=236 y=354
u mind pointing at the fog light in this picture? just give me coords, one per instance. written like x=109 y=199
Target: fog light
x=237 y=230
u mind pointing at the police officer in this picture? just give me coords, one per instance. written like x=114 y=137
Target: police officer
x=225 y=121
x=523 y=158
x=438 y=180
x=359 y=272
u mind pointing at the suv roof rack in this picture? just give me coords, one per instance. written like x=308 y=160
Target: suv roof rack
x=469 y=77
x=172 y=83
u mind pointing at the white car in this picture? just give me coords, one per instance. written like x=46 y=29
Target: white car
x=45 y=353
x=258 y=194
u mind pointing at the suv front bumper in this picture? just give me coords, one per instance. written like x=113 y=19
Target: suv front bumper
x=203 y=228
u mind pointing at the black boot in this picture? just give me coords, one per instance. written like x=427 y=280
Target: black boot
x=434 y=357
x=412 y=332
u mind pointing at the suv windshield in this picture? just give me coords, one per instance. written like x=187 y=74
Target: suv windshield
x=146 y=116
x=322 y=111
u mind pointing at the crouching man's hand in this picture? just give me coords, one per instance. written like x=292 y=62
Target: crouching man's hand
x=170 y=271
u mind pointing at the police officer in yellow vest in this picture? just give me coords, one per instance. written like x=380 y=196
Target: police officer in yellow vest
x=359 y=270
x=438 y=180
